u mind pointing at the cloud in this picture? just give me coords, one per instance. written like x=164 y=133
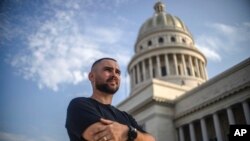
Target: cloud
x=61 y=50
x=57 y=54
x=224 y=39
x=233 y=33
x=105 y=35
x=209 y=47
x=4 y=136
x=210 y=53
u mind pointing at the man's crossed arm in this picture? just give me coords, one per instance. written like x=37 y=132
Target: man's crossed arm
x=107 y=130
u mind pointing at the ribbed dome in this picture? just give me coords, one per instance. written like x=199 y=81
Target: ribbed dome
x=162 y=21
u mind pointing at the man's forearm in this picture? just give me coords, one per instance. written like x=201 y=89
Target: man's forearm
x=112 y=130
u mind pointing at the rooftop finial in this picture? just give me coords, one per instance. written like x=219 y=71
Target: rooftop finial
x=159 y=7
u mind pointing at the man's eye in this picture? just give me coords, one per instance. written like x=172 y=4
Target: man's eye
x=108 y=69
x=118 y=72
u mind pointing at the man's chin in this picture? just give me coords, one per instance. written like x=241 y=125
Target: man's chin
x=109 y=89
x=112 y=91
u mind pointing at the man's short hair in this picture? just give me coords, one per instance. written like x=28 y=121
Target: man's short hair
x=99 y=60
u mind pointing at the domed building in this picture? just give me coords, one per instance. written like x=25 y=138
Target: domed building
x=165 y=50
x=171 y=96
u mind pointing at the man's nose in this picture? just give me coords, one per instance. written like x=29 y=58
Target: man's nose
x=115 y=75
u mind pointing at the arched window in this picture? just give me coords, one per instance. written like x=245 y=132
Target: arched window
x=149 y=43
x=173 y=39
x=160 y=40
x=183 y=40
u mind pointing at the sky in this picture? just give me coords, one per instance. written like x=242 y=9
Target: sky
x=48 y=46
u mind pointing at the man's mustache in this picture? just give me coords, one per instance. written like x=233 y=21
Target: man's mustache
x=111 y=78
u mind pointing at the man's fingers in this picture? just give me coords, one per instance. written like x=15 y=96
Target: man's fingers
x=101 y=135
x=100 y=128
x=105 y=121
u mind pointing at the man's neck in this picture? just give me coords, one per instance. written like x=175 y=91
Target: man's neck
x=102 y=97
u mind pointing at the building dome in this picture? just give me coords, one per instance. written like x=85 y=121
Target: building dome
x=165 y=50
x=160 y=21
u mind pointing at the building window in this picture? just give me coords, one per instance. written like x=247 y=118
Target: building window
x=163 y=71
x=141 y=47
x=183 y=40
x=160 y=40
x=154 y=73
x=188 y=71
x=173 y=39
x=149 y=43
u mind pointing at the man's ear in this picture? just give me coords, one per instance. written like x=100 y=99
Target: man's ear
x=91 y=76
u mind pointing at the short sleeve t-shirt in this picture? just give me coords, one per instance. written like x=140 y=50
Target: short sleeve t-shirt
x=82 y=112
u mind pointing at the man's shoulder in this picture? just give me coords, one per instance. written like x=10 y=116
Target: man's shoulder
x=80 y=101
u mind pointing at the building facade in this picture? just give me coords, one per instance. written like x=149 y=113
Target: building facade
x=171 y=96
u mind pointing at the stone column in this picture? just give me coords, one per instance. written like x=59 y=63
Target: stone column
x=204 y=130
x=135 y=74
x=192 y=132
x=133 y=77
x=181 y=134
x=167 y=64
x=158 y=66
x=191 y=65
x=143 y=70
x=197 y=67
x=230 y=116
x=217 y=127
x=246 y=112
x=138 y=73
x=184 y=64
x=175 y=65
x=150 y=67
x=205 y=71
x=202 y=69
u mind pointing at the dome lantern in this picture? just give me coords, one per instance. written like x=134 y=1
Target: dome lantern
x=159 y=7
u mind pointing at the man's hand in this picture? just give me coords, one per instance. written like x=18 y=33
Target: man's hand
x=113 y=131
x=106 y=130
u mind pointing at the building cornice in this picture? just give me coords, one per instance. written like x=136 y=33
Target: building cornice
x=210 y=102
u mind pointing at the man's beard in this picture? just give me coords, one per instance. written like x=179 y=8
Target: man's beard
x=105 y=88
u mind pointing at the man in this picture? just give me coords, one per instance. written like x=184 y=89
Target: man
x=94 y=118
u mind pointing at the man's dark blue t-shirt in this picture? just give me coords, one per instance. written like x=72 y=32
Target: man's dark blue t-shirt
x=82 y=112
